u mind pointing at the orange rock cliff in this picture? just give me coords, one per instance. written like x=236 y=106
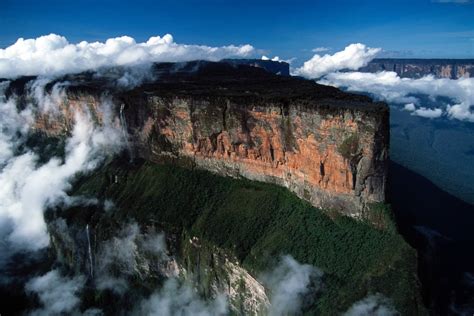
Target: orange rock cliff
x=328 y=147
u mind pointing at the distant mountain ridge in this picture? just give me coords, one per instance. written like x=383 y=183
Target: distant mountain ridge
x=417 y=68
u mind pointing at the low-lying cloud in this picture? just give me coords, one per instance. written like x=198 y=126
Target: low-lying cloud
x=126 y=255
x=53 y=54
x=292 y=286
x=29 y=187
x=352 y=57
x=423 y=111
x=130 y=255
x=57 y=294
x=374 y=305
x=387 y=85
x=180 y=299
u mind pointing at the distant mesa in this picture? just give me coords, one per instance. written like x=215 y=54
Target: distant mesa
x=417 y=68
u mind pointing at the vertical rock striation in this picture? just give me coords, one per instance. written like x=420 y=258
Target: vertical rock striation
x=328 y=147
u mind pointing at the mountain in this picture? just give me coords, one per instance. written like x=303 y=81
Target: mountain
x=417 y=68
x=266 y=189
x=328 y=147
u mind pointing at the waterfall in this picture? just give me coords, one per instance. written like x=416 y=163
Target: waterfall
x=91 y=266
x=123 y=123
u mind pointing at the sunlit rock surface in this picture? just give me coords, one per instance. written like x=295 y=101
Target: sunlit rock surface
x=328 y=147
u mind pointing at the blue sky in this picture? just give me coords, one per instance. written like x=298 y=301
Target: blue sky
x=417 y=28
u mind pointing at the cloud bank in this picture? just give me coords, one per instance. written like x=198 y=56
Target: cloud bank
x=29 y=187
x=389 y=86
x=352 y=57
x=53 y=54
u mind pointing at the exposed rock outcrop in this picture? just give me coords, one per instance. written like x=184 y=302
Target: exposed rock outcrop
x=328 y=147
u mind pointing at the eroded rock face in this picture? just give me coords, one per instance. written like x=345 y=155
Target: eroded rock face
x=119 y=257
x=328 y=147
x=333 y=160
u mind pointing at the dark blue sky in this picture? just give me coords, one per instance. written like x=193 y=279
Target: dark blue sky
x=417 y=28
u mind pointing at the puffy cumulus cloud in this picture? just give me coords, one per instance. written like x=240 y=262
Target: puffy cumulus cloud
x=352 y=57
x=409 y=107
x=291 y=286
x=58 y=295
x=53 y=54
x=389 y=86
x=428 y=113
x=374 y=305
x=28 y=187
x=423 y=111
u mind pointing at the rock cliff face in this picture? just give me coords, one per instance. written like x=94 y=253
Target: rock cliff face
x=328 y=147
x=417 y=68
x=211 y=270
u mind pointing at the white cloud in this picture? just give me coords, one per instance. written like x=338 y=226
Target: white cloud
x=320 y=49
x=423 y=111
x=428 y=113
x=390 y=87
x=53 y=54
x=288 y=284
x=409 y=107
x=375 y=305
x=28 y=188
x=352 y=57
x=276 y=58
x=125 y=253
x=58 y=295
x=176 y=299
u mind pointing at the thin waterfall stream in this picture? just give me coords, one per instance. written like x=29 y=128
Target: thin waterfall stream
x=123 y=123
x=89 y=249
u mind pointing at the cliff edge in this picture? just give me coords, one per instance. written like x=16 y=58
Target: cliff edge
x=327 y=146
